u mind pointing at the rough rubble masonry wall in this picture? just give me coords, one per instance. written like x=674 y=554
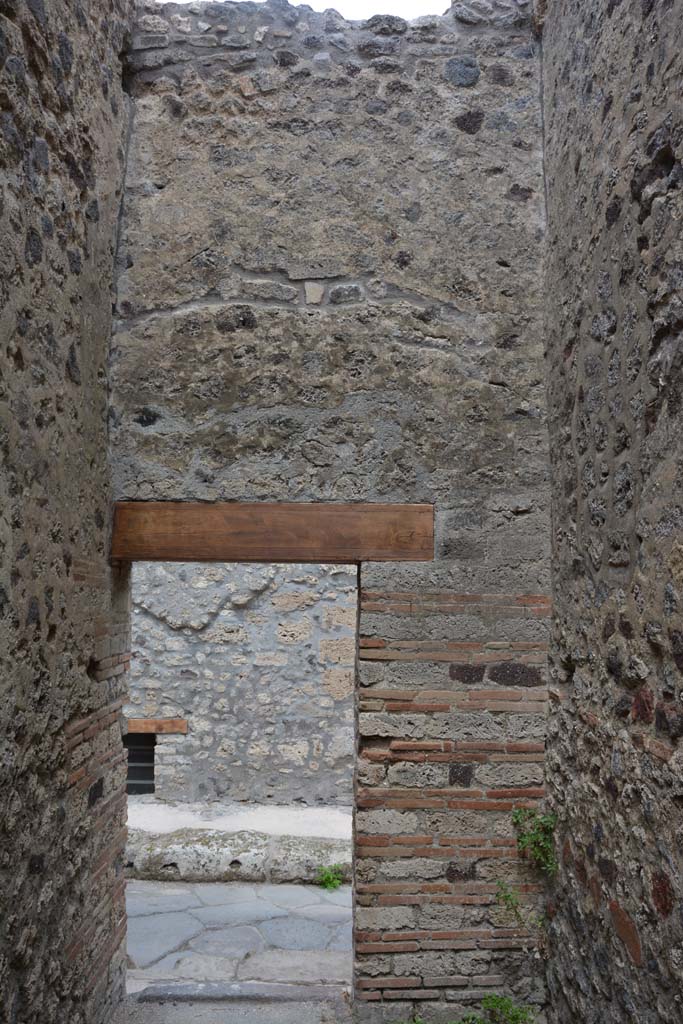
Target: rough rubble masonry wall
x=62 y=634
x=260 y=660
x=328 y=290
x=614 y=121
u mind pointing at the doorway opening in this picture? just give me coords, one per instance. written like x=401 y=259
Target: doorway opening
x=241 y=749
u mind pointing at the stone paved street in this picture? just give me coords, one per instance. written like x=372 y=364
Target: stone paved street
x=235 y=940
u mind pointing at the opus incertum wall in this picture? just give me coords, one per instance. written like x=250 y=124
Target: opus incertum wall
x=260 y=662
x=328 y=291
x=614 y=144
x=63 y=629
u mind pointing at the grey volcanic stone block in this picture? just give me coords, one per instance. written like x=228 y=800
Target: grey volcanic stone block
x=342 y=897
x=291 y=896
x=240 y=913
x=213 y=893
x=144 y=898
x=386 y=25
x=324 y=912
x=155 y=936
x=228 y=941
x=342 y=938
x=462 y=71
x=297 y=933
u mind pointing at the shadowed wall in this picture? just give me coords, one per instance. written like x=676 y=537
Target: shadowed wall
x=614 y=141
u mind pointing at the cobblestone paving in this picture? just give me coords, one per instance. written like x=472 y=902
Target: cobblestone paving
x=181 y=933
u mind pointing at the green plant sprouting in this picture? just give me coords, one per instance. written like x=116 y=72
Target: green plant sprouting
x=331 y=877
x=495 y=1010
x=500 y=1010
x=507 y=898
x=535 y=838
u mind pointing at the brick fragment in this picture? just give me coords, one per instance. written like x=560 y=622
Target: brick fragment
x=626 y=930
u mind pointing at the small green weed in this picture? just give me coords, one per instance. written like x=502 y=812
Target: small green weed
x=332 y=877
x=496 y=1010
x=525 y=919
x=535 y=837
x=500 y=1010
x=510 y=901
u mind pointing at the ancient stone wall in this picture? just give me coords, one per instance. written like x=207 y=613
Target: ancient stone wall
x=329 y=282
x=614 y=123
x=63 y=619
x=260 y=661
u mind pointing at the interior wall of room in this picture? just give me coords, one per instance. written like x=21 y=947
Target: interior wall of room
x=63 y=613
x=614 y=315
x=329 y=290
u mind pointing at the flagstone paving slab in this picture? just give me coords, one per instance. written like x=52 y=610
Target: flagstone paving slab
x=296 y=933
x=144 y=898
x=212 y=893
x=290 y=895
x=220 y=936
x=325 y=913
x=232 y=942
x=152 y=937
x=239 y=913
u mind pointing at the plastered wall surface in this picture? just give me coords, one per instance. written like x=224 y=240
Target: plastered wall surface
x=260 y=661
x=329 y=289
x=62 y=617
x=614 y=140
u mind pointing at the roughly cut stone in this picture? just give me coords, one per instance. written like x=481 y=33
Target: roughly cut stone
x=462 y=71
x=386 y=25
x=345 y=293
x=314 y=292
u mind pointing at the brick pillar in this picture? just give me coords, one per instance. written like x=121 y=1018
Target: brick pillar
x=451 y=722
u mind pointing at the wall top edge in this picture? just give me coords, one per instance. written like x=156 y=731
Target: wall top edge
x=462 y=17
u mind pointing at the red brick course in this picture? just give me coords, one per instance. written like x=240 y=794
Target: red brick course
x=468 y=856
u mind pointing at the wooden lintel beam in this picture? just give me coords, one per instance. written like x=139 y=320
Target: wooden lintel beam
x=158 y=725
x=170 y=531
